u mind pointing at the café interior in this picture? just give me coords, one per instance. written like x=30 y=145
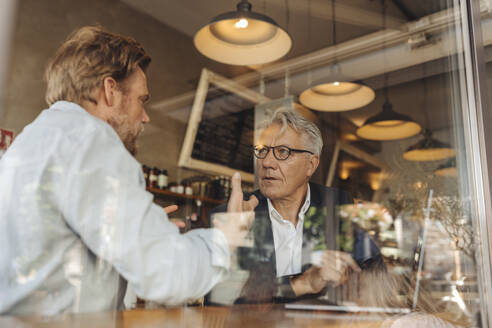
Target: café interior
x=398 y=89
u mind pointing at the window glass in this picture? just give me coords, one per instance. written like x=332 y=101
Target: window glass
x=374 y=215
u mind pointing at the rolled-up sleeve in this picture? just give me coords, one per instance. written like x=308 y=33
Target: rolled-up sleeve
x=106 y=204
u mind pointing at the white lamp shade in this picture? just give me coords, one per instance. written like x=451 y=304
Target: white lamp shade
x=447 y=172
x=389 y=130
x=242 y=40
x=337 y=96
x=429 y=149
x=423 y=155
x=448 y=169
x=388 y=125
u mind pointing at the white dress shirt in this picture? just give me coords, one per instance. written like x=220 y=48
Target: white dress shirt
x=76 y=223
x=287 y=239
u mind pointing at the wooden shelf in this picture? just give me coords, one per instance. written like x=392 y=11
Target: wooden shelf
x=166 y=193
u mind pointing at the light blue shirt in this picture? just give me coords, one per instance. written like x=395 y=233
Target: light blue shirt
x=75 y=219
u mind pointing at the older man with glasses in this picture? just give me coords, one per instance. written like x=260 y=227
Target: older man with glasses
x=287 y=155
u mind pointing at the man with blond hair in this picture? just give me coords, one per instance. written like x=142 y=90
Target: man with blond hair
x=76 y=223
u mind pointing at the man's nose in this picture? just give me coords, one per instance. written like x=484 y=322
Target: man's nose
x=269 y=160
x=145 y=118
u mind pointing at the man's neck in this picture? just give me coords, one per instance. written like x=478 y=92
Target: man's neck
x=289 y=207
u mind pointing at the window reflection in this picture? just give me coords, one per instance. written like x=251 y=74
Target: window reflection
x=395 y=217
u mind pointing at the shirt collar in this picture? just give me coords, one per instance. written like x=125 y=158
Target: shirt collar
x=276 y=215
x=307 y=202
x=67 y=105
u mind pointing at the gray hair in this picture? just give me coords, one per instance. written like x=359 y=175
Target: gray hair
x=310 y=133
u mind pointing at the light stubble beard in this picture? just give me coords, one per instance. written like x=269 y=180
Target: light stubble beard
x=127 y=133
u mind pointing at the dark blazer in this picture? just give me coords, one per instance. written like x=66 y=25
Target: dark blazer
x=320 y=224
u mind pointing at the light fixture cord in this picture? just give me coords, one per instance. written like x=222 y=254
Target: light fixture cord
x=310 y=73
x=334 y=27
x=334 y=31
x=287 y=15
x=244 y=5
x=262 y=84
x=287 y=82
x=287 y=23
x=385 y=89
x=426 y=99
x=386 y=78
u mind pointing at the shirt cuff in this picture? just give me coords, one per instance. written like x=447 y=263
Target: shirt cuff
x=218 y=246
x=284 y=290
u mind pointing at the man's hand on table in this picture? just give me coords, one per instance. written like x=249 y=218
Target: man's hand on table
x=236 y=223
x=334 y=268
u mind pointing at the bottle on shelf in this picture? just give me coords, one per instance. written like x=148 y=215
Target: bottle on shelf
x=153 y=177
x=222 y=194
x=166 y=178
x=188 y=189
x=196 y=187
x=146 y=171
x=227 y=187
x=180 y=188
x=162 y=180
x=215 y=188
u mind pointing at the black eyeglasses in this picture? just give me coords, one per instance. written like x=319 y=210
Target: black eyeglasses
x=281 y=153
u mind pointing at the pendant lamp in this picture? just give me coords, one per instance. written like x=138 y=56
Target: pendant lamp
x=388 y=125
x=337 y=93
x=429 y=149
x=447 y=169
x=243 y=37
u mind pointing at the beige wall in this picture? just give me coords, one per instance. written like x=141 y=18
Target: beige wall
x=41 y=26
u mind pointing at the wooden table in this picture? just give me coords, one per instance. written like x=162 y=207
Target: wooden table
x=210 y=317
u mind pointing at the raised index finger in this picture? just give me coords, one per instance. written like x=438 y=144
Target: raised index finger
x=236 y=200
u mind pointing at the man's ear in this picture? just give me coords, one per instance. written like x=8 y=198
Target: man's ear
x=110 y=88
x=313 y=164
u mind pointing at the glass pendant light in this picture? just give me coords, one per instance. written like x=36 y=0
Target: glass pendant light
x=243 y=37
x=336 y=94
x=429 y=149
x=447 y=169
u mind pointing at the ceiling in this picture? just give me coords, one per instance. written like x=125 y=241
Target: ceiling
x=309 y=22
